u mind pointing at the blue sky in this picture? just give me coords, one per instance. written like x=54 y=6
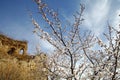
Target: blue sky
x=16 y=23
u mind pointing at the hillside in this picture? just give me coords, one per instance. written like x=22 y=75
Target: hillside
x=16 y=64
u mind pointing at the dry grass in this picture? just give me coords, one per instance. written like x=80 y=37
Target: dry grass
x=13 y=69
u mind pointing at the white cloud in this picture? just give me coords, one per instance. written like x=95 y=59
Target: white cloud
x=46 y=46
x=116 y=20
x=43 y=45
x=96 y=16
